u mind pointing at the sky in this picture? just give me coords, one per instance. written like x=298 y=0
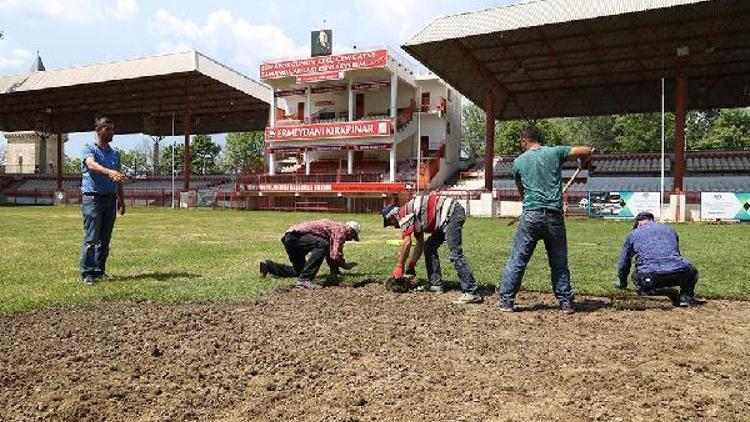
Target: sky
x=238 y=33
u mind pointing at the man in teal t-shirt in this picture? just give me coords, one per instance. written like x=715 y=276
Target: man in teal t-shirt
x=537 y=173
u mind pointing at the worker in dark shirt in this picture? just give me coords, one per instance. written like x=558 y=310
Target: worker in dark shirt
x=658 y=262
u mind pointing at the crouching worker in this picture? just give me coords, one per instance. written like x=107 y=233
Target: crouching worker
x=658 y=263
x=444 y=218
x=321 y=239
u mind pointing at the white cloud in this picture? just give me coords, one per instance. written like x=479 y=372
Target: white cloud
x=15 y=59
x=75 y=11
x=124 y=9
x=405 y=15
x=226 y=37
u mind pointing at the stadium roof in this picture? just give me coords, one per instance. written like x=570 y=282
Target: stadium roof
x=142 y=96
x=555 y=58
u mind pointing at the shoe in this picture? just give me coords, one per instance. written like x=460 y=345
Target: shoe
x=333 y=279
x=468 y=297
x=263 y=267
x=568 y=308
x=685 y=302
x=428 y=288
x=307 y=284
x=504 y=306
x=89 y=280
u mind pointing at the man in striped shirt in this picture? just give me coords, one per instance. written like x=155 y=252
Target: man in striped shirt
x=321 y=239
x=444 y=218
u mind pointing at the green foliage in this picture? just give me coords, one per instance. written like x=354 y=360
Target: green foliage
x=72 y=165
x=628 y=133
x=134 y=162
x=165 y=161
x=244 y=152
x=730 y=131
x=165 y=255
x=204 y=155
x=472 y=128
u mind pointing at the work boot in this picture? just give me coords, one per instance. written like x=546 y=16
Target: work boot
x=685 y=301
x=308 y=284
x=431 y=288
x=468 y=297
x=89 y=279
x=263 y=267
x=505 y=306
x=567 y=307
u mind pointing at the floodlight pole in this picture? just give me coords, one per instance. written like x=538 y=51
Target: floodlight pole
x=173 y=148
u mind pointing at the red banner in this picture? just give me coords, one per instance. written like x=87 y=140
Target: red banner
x=324 y=65
x=341 y=130
x=354 y=187
x=319 y=77
x=368 y=187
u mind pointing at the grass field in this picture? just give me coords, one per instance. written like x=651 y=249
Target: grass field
x=165 y=255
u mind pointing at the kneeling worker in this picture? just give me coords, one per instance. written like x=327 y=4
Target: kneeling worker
x=444 y=218
x=658 y=263
x=321 y=239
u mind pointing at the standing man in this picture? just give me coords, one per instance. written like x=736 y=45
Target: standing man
x=658 y=262
x=538 y=178
x=101 y=185
x=322 y=239
x=444 y=218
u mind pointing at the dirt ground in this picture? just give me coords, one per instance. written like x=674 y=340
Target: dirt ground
x=344 y=354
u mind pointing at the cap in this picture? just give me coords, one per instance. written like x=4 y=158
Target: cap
x=354 y=226
x=388 y=212
x=642 y=216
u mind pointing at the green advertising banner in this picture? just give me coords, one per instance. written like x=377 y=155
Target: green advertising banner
x=623 y=204
x=725 y=206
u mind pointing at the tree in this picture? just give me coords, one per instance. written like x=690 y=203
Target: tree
x=205 y=155
x=730 y=130
x=2 y=159
x=165 y=161
x=472 y=130
x=134 y=163
x=244 y=152
x=72 y=165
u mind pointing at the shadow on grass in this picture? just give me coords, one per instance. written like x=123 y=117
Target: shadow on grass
x=158 y=276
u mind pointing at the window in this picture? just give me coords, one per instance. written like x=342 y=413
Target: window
x=449 y=95
x=448 y=128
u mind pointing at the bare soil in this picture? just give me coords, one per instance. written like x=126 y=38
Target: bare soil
x=344 y=354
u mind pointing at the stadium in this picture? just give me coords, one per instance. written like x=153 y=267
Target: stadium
x=185 y=328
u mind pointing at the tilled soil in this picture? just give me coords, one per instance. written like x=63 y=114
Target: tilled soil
x=343 y=354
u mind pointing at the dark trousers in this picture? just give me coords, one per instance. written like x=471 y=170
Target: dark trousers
x=298 y=246
x=450 y=234
x=686 y=280
x=99 y=213
x=534 y=226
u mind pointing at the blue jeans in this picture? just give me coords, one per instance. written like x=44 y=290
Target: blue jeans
x=450 y=234
x=532 y=227
x=99 y=214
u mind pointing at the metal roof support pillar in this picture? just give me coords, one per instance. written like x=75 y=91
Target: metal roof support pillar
x=489 y=139
x=59 y=165
x=679 y=134
x=187 y=127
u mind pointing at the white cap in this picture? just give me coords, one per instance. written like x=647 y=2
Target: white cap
x=354 y=226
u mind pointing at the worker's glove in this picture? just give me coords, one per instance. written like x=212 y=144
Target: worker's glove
x=620 y=285
x=398 y=272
